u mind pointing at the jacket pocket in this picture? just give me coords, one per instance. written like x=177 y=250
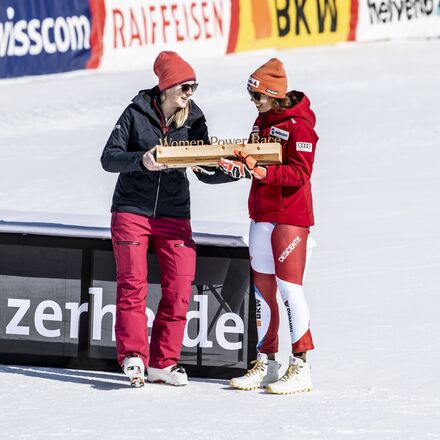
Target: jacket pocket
x=290 y=195
x=174 y=184
x=130 y=258
x=135 y=243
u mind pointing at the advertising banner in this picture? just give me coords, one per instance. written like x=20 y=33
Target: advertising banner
x=58 y=301
x=44 y=36
x=137 y=30
x=291 y=23
x=384 y=19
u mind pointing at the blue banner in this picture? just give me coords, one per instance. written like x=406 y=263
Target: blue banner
x=38 y=37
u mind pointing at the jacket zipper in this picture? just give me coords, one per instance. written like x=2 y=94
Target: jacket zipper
x=165 y=131
x=257 y=186
x=157 y=194
x=255 y=202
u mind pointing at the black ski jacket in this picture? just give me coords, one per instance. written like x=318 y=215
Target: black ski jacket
x=140 y=128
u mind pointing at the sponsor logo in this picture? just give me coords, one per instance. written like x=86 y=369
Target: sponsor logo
x=255 y=129
x=258 y=312
x=272 y=92
x=289 y=249
x=153 y=23
x=253 y=82
x=51 y=319
x=304 y=146
x=289 y=315
x=295 y=18
x=382 y=12
x=50 y=35
x=258 y=308
x=279 y=133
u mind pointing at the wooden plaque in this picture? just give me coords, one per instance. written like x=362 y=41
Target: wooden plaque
x=208 y=155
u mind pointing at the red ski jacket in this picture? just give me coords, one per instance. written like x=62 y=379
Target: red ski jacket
x=285 y=195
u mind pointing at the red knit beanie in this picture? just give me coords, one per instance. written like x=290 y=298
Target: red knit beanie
x=270 y=79
x=172 y=70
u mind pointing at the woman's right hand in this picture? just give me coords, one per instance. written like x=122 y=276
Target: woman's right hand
x=149 y=162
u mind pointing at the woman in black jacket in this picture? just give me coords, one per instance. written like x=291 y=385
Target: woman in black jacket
x=151 y=206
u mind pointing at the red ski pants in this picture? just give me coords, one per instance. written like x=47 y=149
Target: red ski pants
x=279 y=258
x=171 y=239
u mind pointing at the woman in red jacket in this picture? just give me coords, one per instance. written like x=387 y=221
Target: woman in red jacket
x=281 y=211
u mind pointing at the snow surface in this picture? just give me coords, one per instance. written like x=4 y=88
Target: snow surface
x=373 y=282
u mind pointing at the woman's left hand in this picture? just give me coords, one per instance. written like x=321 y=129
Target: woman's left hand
x=149 y=162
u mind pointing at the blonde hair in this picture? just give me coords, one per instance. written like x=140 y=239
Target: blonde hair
x=278 y=105
x=181 y=115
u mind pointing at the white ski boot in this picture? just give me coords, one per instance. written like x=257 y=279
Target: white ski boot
x=296 y=379
x=172 y=375
x=264 y=372
x=134 y=368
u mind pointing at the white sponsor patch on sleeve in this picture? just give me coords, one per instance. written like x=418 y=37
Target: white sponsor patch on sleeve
x=277 y=132
x=304 y=146
x=255 y=129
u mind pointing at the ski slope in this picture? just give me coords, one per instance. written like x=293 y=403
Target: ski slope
x=373 y=284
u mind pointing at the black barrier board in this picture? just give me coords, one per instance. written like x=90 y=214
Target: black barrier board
x=57 y=303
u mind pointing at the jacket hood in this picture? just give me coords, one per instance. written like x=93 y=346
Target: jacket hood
x=301 y=110
x=145 y=98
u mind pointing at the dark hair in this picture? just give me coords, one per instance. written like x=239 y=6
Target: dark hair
x=280 y=104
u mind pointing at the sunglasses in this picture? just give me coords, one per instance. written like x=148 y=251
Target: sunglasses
x=187 y=87
x=256 y=96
